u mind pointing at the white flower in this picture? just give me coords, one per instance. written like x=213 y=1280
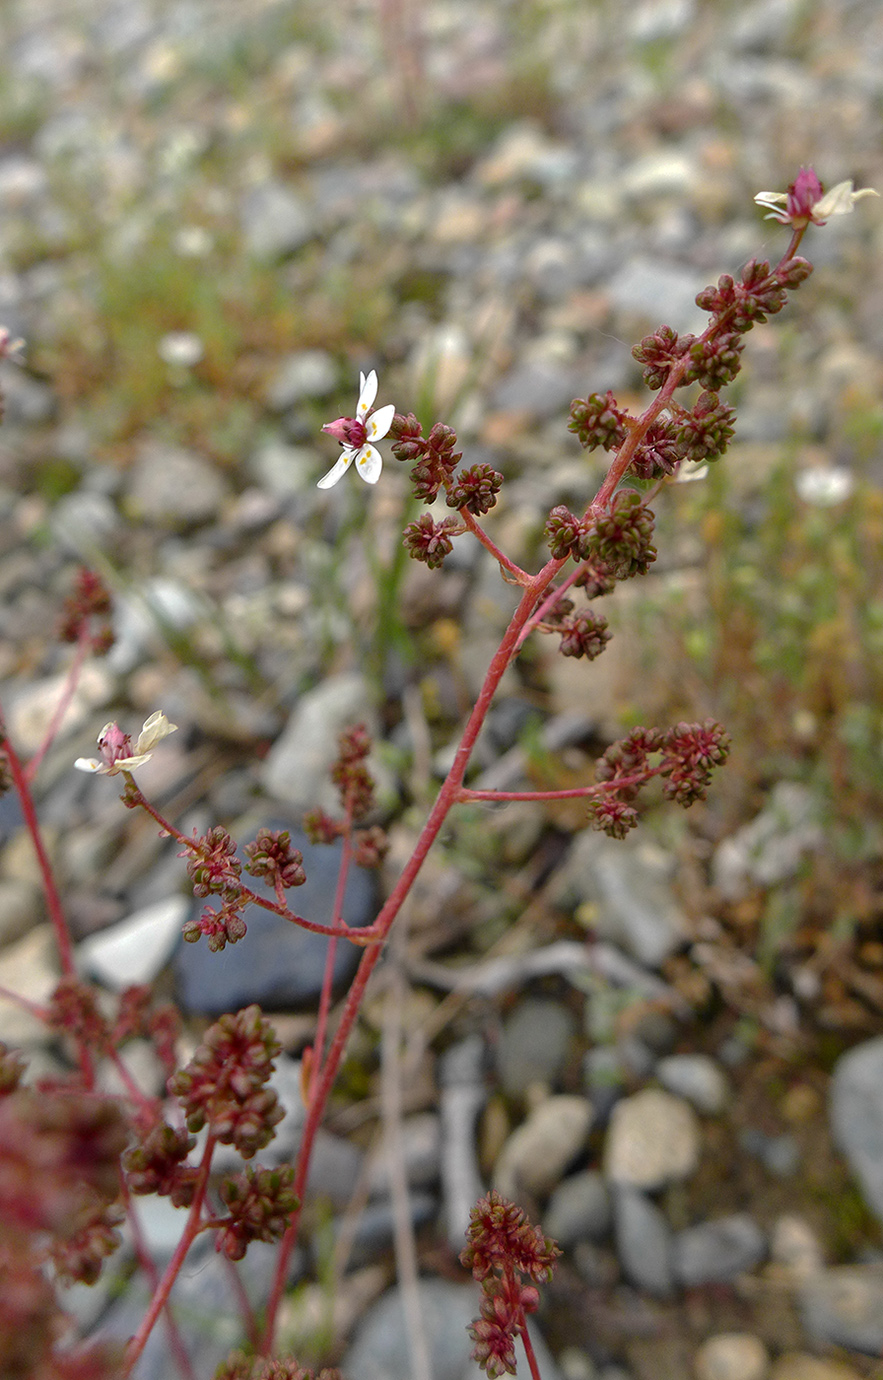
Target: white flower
x=181 y=348
x=824 y=485
x=117 y=753
x=356 y=433
x=806 y=200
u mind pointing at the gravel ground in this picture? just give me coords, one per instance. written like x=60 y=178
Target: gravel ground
x=216 y=215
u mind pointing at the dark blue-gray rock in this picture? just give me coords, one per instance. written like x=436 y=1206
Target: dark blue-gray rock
x=534 y=1044
x=380 y=1349
x=579 y=1209
x=716 y=1252
x=279 y=965
x=844 y=1306
x=643 y=1242
x=856 y=1110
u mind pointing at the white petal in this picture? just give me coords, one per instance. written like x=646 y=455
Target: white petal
x=367 y=392
x=379 y=422
x=771 y=198
x=88 y=764
x=129 y=763
x=369 y=463
x=155 y=728
x=340 y=468
x=837 y=202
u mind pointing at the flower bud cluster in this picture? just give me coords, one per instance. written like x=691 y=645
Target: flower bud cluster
x=429 y=541
x=157 y=1164
x=260 y=1203
x=223 y=1086
x=212 y=864
x=598 y=421
x=140 y=1016
x=272 y=858
x=503 y=1246
x=78 y=1257
x=87 y=609
x=684 y=756
x=433 y=458
x=712 y=360
x=584 y=634
x=621 y=538
x=59 y=1179
x=705 y=433
x=475 y=489
x=618 y=540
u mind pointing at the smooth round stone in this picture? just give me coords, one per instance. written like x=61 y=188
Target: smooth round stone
x=653 y=1140
x=697 y=1078
x=536 y=1155
x=643 y=1243
x=579 y=1209
x=732 y=1356
x=717 y=1251
x=857 y=1116
x=844 y=1305
x=534 y=1044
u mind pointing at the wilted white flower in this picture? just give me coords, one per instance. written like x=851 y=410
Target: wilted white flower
x=356 y=433
x=117 y=753
x=806 y=200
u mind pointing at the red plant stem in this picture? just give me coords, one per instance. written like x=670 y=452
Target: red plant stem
x=531 y=1357
x=148 y=1265
x=140 y=1098
x=521 y=577
x=328 y=975
x=67 y=694
x=572 y=793
x=53 y=900
x=447 y=797
x=248 y=896
x=164 y=1288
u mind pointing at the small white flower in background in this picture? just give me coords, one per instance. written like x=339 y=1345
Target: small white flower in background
x=181 y=348
x=806 y=200
x=193 y=242
x=356 y=433
x=824 y=485
x=115 y=746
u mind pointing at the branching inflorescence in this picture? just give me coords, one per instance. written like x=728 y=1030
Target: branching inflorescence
x=71 y=1160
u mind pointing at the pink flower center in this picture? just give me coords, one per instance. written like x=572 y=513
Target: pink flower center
x=349 y=431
